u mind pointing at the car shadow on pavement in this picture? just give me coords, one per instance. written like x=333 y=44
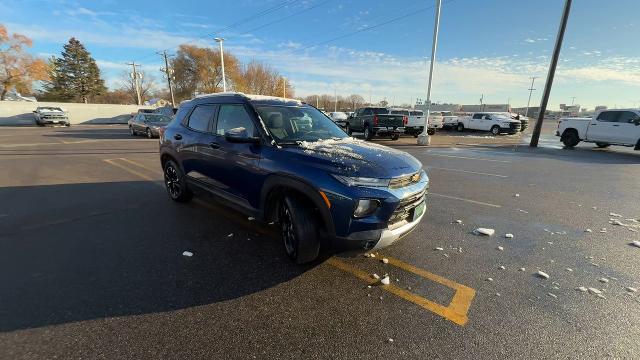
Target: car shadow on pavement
x=111 y=133
x=80 y=252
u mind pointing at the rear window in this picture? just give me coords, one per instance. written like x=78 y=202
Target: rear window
x=416 y=113
x=608 y=116
x=379 y=111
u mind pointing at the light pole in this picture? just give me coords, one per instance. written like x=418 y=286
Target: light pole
x=284 y=87
x=573 y=98
x=335 y=102
x=169 y=72
x=224 y=81
x=424 y=139
x=533 y=79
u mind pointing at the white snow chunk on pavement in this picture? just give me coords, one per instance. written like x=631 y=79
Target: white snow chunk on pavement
x=375 y=276
x=617 y=222
x=390 y=340
x=500 y=248
x=522 y=269
x=569 y=269
x=230 y=235
x=458 y=221
x=385 y=280
x=603 y=230
x=489 y=279
x=484 y=231
x=552 y=295
x=523 y=211
x=438 y=249
x=508 y=236
x=187 y=254
x=385 y=260
x=631 y=289
x=501 y=267
x=542 y=274
x=517 y=195
x=601 y=296
x=582 y=289
x=635 y=243
x=588 y=231
x=594 y=207
x=594 y=291
x=633 y=230
x=615 y=215
x=603 y=280
x=251 y=218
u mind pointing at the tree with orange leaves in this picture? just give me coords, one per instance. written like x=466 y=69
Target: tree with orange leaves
x=17 y=68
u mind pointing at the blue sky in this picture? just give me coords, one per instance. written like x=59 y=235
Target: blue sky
x=488 y=47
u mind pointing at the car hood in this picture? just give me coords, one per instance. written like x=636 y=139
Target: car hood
x=353 y=157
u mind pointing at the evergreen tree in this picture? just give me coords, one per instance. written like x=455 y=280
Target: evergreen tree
x=75 y=76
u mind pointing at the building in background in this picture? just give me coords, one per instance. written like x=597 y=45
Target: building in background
x=486 y=107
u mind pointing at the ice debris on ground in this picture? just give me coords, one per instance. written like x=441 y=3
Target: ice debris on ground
x=523 y=211
x=617 y=222
x=385 y=280
x=385 y=260
x=501 y=267
x=588 y=231
x=271 y=223
x=542 y=274
x=603 y=230
x=458 y=221
x=484 y=231
x=500 y=248
x=517 y=195
x=601 y=296
x=508 y=236
x=489 y=279
x=582 y=289
x=251 y=218
x=390 y=340
x=438 y=249
x=569 y=269
x=631 y=289
x=594 y=291
x=522 y=269
x=603 y=280
x=187 y=254
x=635 y=243
x=230 y=235
x=552 y=295
x=375 y=276
x=498 y=294
x=615 y=215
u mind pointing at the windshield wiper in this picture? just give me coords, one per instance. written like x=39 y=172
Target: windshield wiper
x=288 y=143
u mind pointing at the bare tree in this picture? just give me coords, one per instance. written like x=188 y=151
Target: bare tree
x=146 y=83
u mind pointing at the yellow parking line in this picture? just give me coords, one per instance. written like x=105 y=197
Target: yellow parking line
x=458 y=308
x=140 y=165
x=127 y=169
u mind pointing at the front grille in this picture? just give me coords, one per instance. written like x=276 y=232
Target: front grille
x=515 y=126
x=405 y=180
x=406 y=206
x=53 y=117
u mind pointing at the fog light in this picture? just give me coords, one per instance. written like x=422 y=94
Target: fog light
x=365 y=207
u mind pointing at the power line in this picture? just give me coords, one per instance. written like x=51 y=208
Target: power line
x=286 y=17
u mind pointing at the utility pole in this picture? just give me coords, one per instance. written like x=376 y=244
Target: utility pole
x=317 y=100
x=135 y=75
x=552 y=71
x=573 y=98
x=335 y=103
x=284 y=87
x=169 y=72
x=224 y=81
x=533 y=78
x=424 y=139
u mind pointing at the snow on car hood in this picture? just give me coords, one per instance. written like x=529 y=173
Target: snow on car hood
x=353 y=157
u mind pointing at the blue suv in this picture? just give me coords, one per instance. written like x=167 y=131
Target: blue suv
x=280 y=160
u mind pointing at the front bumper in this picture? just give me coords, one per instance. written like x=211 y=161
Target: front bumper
x=388 y=237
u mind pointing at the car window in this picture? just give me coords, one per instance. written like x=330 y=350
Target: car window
x=396 y=112
x=366 y=112
x=288 y=124
x=234 y=117
x=380 y=111
x=477 y=116
x=200 y=117
x=627 y=117
x=607 y=116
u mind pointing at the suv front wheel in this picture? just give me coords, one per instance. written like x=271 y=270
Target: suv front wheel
x=175 y=183
x=299 y=229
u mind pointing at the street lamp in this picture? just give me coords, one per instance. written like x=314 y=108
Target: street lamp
x=423 y=138
x=224 y=82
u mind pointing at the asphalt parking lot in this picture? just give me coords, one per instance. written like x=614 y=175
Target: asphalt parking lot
x=91 y=262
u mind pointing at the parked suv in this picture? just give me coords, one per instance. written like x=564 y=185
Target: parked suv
x=281 y=160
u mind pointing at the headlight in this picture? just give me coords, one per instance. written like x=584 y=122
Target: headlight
x=361 y=181
x=365 y=207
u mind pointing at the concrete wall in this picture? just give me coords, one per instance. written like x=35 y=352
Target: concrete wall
x=19 y=113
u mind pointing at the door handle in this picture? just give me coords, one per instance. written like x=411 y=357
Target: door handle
x=616 y=125
x=177 y=137
x=214 y=145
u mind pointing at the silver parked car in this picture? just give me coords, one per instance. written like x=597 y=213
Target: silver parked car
x=148 y=124
x=51 y=115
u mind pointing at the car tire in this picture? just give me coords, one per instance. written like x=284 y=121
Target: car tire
x=637 y=145
x=395 y=137
x=175 y=183
x=602 y=145
x=367 y=133
x=347 y=129
x=460 y=127
x=148 y=133
x=131 y=131
x=431 y=131
x=67 y=124
x=495 y=130
x=299 y=229
x=570 y=138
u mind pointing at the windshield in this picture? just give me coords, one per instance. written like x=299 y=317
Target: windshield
x=416 y=113
x=290 y=124
x=380 y=111
x=157 y=118
x=49 y=109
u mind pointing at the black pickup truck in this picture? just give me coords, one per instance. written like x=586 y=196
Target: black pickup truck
x=374 y=121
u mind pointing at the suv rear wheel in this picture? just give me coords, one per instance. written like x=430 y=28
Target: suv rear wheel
x=602 y=145
x=347 y=129
x=175 y=183
x=570 y=138
x=148 y=133
x=460 y=127
x=495 y=130
x=367 y=133
x=133 y=132
x=299 y=229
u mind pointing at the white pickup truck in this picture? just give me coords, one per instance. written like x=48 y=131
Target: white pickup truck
x=492 y=122
x=415 y=122
x=607 y=127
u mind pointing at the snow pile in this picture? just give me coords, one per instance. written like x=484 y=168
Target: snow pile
x=542 y=274
x=187 y=254
x=635 y=243
x=484 y=231
x=385 y=280
x=332 y=148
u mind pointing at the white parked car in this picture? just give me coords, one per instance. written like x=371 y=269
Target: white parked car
x=51 y=115
x=607 y=127
x=415 y=121
x=339 y=118
x=493 y=123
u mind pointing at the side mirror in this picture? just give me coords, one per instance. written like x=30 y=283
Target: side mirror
x=637 y=121
x=34 y=111
x=240 y=135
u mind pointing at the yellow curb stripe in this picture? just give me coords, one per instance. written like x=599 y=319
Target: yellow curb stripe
x=127 y=169
x=140 y=165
